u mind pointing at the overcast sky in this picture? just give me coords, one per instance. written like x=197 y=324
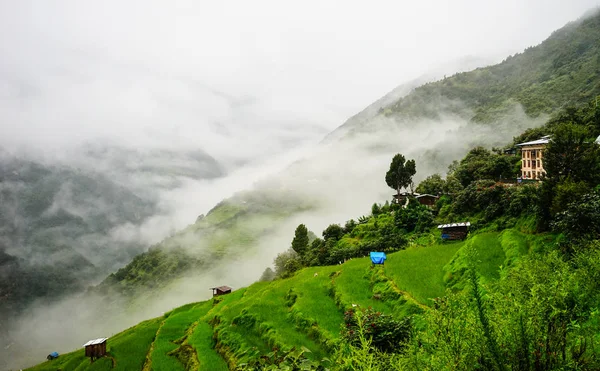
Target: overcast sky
x=218 y=74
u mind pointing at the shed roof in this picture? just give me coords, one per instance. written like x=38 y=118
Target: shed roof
x=221 y=288
x=95 y=341
x=542 y=140
x=426 y=195
x=461 y=224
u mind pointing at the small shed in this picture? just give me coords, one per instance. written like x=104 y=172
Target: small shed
x=95 y=348
x=52 y=356
x=377 y=257
x=427 y=200
x=454 y=231
x=221 y=290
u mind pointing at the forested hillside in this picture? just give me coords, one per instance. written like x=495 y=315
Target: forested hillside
x=486 y=91
x=561 y=71
x=521 y=292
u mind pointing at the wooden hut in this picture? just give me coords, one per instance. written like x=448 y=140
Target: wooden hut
x=221 y=290
x=427 y=200
x=95 y=348
x=454 y=231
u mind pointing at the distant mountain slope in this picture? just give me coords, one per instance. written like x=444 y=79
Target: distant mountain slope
x=55 y=230
x=562 y=70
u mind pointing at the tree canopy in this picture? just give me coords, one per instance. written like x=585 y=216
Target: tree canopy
x=400 y=173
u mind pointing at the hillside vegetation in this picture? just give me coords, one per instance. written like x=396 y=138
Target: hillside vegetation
x=304 y=312
x=563 y=71
x=522 y=292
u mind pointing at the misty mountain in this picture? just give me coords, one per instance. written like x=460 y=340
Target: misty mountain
x=56 y=229
x=61 y=227
x=563 y=70
x=435 y=123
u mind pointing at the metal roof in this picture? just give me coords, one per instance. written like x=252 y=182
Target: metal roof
x=426 y=194
x=221 y=288
x=95 y=341
x=542 y=140
x=461 y=224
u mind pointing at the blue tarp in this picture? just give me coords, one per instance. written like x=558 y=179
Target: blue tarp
x=377 y=257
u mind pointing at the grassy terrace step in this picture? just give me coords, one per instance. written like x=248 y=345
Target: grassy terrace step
x=173 y=329
x=420 y=270
x=305 y=310
x=264 y=313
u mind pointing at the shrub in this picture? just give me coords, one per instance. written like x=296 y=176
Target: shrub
x=385 y=333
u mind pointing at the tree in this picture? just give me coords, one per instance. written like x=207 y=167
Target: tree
x=433 y=185
x=300 y=241
x=572 y=154
x=400 y=173
x=267 y=275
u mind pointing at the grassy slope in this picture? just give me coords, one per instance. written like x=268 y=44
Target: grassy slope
x=303 y=311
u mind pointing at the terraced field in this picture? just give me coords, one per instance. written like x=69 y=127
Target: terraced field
x=305 y=311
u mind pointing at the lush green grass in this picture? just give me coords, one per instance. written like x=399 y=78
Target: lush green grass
x=352 y=285
x=174 y=328
x=305 y=310
x=489 y=255
x=314 y=300
x=201 y=340
x=420 y=270
x=484 y=252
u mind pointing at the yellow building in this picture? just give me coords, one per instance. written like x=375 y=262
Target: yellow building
x=532 y=158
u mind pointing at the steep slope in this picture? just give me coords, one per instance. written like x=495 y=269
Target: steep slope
x=305 y=311
x=563 y=70
x=435 y=123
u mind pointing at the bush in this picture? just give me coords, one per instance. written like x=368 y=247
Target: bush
x=384 y=332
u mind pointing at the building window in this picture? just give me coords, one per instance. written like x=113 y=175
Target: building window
x=538 y=163
x=534 y=175
x=528 y=163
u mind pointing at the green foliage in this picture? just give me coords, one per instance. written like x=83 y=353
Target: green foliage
x=572 y=154
x=414 y=218
x=400 y=173
x=300 y=241
x=267 y=275
x=433 y=185
x=581 y=218
x=482 y=164
x=287 y=263
x=383 y=332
